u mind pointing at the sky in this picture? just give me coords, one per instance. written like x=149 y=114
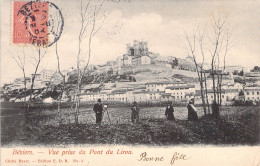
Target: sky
x=162 y=23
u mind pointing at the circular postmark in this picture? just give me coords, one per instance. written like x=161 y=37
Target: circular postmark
x=43 y=21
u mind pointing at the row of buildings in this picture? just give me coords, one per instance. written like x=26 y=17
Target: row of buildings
x=179 y=92
x=41 y=80
x=162 y=91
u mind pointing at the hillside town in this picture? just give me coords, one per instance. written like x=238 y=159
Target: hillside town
x=142 y=76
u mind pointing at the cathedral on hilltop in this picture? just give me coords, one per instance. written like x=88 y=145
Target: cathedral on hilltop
x=137 y=54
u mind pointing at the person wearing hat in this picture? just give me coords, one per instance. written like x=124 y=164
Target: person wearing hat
x=192 y=112
x=98 y=109
x=135 y=113
x=169 y=111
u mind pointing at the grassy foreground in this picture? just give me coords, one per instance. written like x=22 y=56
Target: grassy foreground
x=237 y=128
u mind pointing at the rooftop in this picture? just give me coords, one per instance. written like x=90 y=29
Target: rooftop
x=180 y=87
x=164 y=82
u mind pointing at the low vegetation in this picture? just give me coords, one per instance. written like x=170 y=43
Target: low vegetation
x=236 y=126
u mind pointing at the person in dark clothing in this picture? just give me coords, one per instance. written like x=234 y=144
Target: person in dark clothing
x=215 y=109
x=169 y=112
x=135 y=113
x=98 y=109
x=192 y=113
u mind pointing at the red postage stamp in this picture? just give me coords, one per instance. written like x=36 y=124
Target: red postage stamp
x=36 y=23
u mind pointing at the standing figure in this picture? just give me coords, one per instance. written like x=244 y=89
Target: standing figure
x=135 y=113
x=215 y=109
x=192 y=112
x=98 y=109
x=169 y=112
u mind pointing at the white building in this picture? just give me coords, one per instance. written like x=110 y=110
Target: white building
x=139 y=97
x=118 y=96
x=252 y=93
x=227 y=96
x=235 y=86
x=226 y=80
x=166 y=97
x=93 y=97
x=47 y=75
x=141 y=60
x=181 y=92
x=155 y=96
x=161 y=85
x=127 y=60
x=145 y=60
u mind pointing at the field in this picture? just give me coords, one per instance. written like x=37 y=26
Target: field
x=237 y=125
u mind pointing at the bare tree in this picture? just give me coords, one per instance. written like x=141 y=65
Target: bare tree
x=91 y=19
x=226 y=48
x=36 y=60
x=63 y=80
x=63 y=83
x=214 y=42
x=193 y=54
x=202 y=70
x=20 y=61
x=220 y=26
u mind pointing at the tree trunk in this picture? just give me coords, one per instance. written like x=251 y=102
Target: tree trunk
x=77 y=101
x=59 y=103
x=63 y=82
x=214 y=86
x=202 y=93
x=60 y=97
x=206 y=92
x=24 y=104
x=220 y=88
x=59 y=111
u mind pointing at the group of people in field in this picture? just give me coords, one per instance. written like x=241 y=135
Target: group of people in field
x=192 y=111
x=169 y=112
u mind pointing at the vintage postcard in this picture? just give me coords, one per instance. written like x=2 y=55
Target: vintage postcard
x=130 y=82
